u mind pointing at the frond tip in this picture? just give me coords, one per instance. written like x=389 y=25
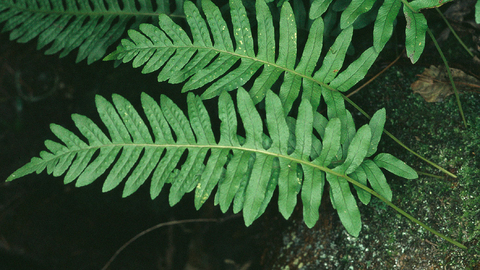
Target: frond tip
x=246 y=170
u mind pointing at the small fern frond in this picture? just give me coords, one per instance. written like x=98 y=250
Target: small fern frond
x=246 y=170
x=212 y=53
x=90 y=25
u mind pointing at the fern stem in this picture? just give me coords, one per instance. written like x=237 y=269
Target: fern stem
x=454 y=33
x=405 y=214
x=398 y=141
x=405 y=2
x=418 y=155
x=376 y=75
x=430 y=175
x=457 y=96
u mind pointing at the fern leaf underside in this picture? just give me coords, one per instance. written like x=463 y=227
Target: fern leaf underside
x=246 y=170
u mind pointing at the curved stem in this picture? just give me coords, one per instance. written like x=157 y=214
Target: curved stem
x=454 y=33
x=376 y=75
x=399 y=210
x=430 y=175
x=449 y=76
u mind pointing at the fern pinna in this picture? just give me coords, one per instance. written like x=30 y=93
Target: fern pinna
x=246 y=169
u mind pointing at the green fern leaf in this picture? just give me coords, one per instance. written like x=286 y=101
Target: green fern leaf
x=312 y=192
x=91 y=26
x=417 y=5
x=211 y=53
x=354 y=10
x=303 y=146
x=333 y=61
x=347 y=135
x=377 y=179
x=345 y=204
x=360 y=176
x=314 y=181
x=355 y=71
x=308 y=62
x=395 y=166
x=414 y=34
x=318 y=7
x=357 y=150
x=383 y=28
x=335 y=104
x=279 y=132
x=377 y=122
x=246 y=170
x=331 y=142
x=477 y=12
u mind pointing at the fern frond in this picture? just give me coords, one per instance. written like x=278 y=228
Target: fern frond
x=212 y=53
x=90 y=25
x=246 y=169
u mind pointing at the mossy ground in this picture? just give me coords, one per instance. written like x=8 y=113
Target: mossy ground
x=448 y=205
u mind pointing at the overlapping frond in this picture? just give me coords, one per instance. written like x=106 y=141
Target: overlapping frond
x=227 y=59
x=246 y=169
x=90 y=25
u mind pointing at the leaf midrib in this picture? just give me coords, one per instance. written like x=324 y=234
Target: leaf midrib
x=209 y=146
x=241 y=56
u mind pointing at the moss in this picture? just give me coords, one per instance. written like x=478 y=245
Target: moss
x=449 y=205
